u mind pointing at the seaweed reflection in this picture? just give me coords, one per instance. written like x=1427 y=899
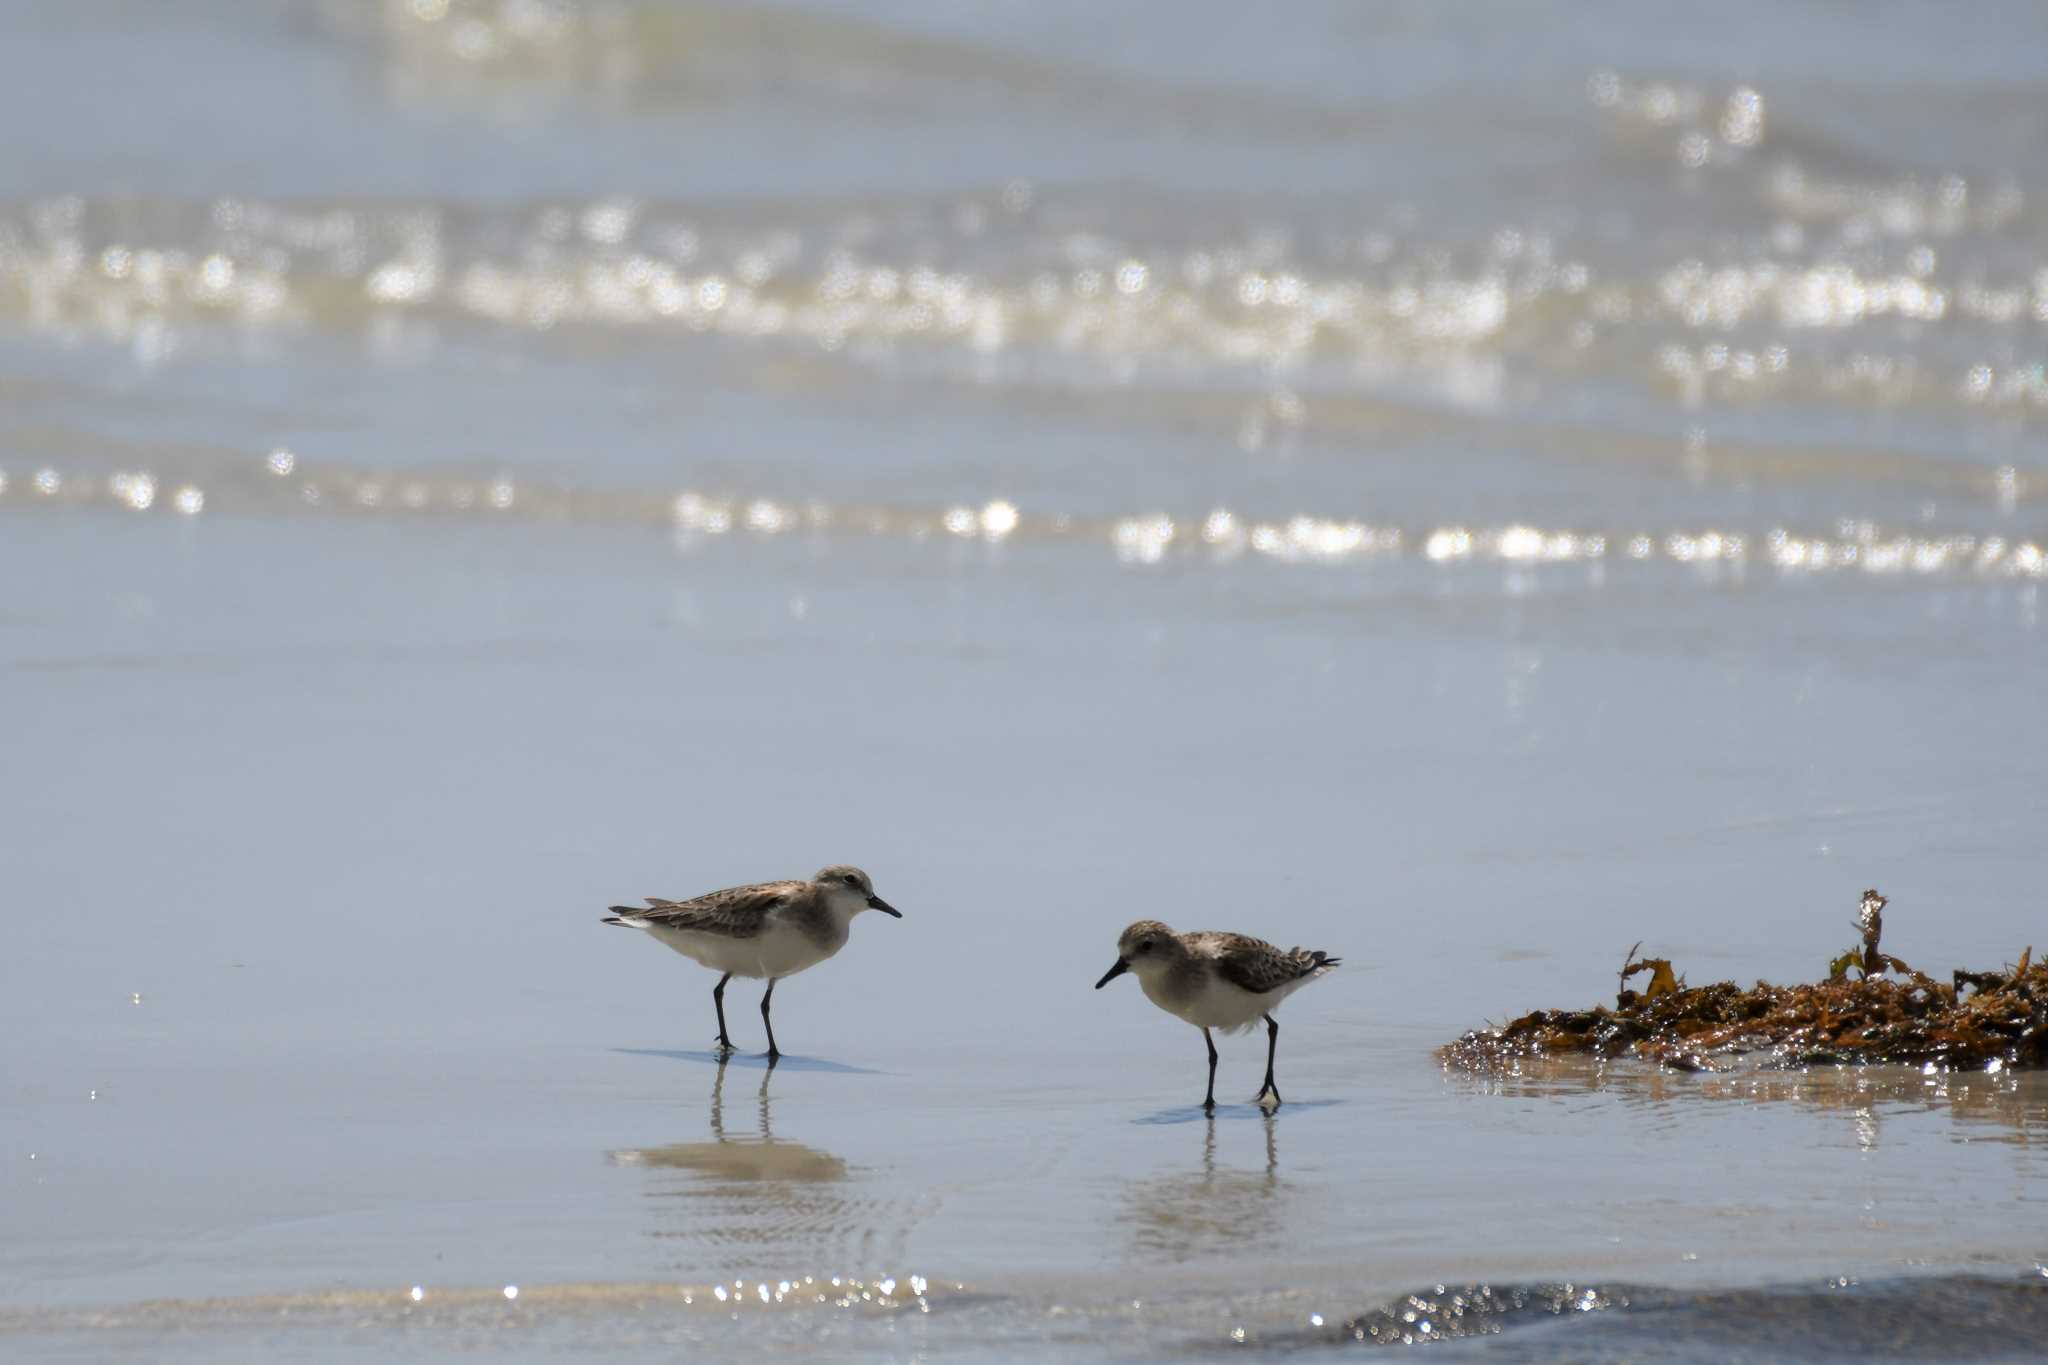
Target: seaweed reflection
x=1985 y=1106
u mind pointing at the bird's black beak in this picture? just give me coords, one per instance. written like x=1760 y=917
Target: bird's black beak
x=1123 y=964
x=877 y=903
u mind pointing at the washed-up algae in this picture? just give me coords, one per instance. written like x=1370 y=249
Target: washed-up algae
x=1872 y=1008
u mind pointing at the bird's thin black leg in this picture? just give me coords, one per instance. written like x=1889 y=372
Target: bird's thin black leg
x=718 y=999
x=773 y=1051
x=1209 y=1100
x=1272 y=1045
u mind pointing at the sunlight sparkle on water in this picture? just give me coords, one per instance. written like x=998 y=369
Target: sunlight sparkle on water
x=137 y=490
x=1142 y=540
x=1219 y=536
x=998 y=519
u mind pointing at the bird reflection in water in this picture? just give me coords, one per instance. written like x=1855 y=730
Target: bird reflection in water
x=743 y=1157
x=1229 y=1209
x=754 y=1203
x=744 y=1199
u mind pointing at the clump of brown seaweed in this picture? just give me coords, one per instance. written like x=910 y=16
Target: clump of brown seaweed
x=1872 y=1008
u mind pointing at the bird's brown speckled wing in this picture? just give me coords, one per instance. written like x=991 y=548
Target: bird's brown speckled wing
x=736 y=912
x=1254 y=965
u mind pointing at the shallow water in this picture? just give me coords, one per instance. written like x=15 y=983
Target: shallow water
x=1435 y=487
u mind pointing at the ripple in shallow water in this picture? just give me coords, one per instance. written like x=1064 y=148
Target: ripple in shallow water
x=281 y=483
x=1952 y=1318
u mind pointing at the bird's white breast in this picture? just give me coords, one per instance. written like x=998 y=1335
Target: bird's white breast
x=778 y=950
x=1215 y=1003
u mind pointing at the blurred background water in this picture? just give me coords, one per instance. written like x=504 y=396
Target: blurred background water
x=1465 y=487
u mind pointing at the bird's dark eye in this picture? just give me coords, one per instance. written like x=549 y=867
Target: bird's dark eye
x=852 y=880
x=1144 y=945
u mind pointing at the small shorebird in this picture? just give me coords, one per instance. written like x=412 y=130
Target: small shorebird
x=1212 y=980
x=773 y=930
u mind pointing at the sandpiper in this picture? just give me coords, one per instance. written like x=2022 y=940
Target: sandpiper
x=772 y=930
x=1216 y=981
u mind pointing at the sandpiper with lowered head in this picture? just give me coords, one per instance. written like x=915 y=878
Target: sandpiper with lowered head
x=772 y=930
x=1216 y=981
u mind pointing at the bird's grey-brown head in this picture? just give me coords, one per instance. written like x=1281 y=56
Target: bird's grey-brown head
x=1146 y=945
x=850 y=890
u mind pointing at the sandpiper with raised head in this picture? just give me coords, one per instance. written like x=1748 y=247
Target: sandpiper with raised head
x=1216 y=981
x=772 y=930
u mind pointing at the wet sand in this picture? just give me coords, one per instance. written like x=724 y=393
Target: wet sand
x=382 y=1040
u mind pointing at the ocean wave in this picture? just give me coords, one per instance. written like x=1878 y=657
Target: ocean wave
x=1097 y=289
